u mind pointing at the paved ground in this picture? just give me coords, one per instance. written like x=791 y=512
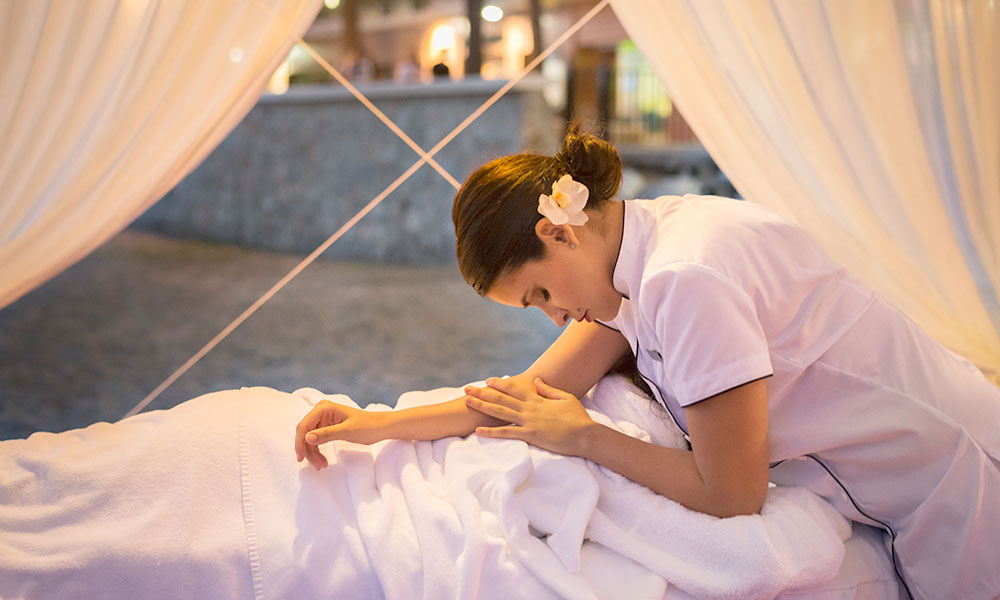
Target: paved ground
x=91 y=343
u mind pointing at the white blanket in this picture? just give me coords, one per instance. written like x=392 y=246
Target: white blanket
x=206 y=501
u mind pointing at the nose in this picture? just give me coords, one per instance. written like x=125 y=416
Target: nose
x=559 y=316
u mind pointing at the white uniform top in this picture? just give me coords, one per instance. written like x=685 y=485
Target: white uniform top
x=864 y=408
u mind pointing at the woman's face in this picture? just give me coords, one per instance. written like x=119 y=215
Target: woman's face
x=564 y=284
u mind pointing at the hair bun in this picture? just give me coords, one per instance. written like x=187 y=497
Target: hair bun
x=593 y=162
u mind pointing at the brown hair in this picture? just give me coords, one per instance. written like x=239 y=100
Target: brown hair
x=496 y=208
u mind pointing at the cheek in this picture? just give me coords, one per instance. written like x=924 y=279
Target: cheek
x=578 y=292
x=590 y=292
x=572 y=285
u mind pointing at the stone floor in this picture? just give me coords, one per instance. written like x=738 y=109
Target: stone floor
x=91 y=343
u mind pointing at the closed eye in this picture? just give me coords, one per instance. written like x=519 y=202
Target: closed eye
x=545 y=297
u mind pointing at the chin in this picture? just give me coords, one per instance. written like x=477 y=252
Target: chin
x=608 y=315
x=600 y=316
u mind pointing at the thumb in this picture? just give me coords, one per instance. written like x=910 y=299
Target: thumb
x=323 y=435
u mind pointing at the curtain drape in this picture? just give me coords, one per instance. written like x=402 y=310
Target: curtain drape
x=107 y=104
x=875 y=125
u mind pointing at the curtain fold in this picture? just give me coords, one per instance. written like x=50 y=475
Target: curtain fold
x=105 y=105
x=875 y=125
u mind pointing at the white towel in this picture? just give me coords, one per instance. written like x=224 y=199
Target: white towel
x=206 y=501
x=149 y=508
x=796 y=541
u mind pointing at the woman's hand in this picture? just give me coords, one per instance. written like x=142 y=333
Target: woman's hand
x=328 y=421
x=539 y=414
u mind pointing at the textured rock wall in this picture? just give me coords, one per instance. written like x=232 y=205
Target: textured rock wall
x=303 y=163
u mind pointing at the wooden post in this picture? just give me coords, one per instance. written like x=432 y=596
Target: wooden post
x=535 y=8
x=474 y=59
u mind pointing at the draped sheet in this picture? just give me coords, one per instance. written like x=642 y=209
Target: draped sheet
x=875 y=125
x=107 y=104
x=206 y=501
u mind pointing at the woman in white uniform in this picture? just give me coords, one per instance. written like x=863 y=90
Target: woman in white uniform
x=776 y=363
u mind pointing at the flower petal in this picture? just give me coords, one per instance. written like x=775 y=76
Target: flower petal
x=579 y=218
x=548 y=208
x=567 y=203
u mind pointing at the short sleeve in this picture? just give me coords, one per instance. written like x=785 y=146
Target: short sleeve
x=708 y=331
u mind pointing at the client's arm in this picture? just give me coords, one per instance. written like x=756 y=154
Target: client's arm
x=328 y=421
x=574 y=362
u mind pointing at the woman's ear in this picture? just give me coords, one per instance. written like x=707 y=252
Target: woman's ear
x=550 y=233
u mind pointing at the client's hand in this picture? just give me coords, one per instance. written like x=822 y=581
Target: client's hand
x=544 y=416
x=329 y=421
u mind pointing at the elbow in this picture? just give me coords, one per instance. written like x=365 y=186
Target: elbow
x=736 y=509
x=735 y=503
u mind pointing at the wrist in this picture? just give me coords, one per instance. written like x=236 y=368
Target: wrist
x=589 y=440
x=390 y=425
x=429 y=422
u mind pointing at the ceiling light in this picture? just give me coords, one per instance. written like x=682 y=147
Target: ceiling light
x=492 y=13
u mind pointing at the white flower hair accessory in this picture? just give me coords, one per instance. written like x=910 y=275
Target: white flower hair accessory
x=565 y=205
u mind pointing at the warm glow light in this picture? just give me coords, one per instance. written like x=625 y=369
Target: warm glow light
x=442 y=39
x=517 y=44
x=489 y=70
x=331 y=4
x=492 y=13
x=235 y=54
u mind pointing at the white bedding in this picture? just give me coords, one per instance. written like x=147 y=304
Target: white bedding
x=206 y=501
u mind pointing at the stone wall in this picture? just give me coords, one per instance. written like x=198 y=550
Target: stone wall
x=303 y=163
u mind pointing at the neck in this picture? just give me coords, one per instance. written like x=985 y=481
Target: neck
x=614 y=230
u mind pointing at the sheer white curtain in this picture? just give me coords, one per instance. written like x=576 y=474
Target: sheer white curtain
x=875 y=125
x=106 y=104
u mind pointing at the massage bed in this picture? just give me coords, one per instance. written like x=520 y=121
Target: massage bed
x=206 y=501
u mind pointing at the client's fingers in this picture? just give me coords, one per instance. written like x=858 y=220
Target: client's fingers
x=322 y=435
x=305 y=425
x=316 y=458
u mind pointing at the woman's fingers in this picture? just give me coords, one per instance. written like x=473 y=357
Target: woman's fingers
x=509 y=386
x=494 y=410
x=505 y=432
x=494 y=396
x=518 y=391
x=547 y=391
x=494 y=403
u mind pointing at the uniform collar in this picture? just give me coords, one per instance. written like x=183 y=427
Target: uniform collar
x=635 y=234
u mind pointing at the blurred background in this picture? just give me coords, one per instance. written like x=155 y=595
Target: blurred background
x=384 y=310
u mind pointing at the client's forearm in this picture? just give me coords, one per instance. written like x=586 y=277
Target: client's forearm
x=434 y=421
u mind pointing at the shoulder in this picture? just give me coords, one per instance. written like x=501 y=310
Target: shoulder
x=694 y=206
x=737 y=239
x=708 y=229
x=686 y=287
